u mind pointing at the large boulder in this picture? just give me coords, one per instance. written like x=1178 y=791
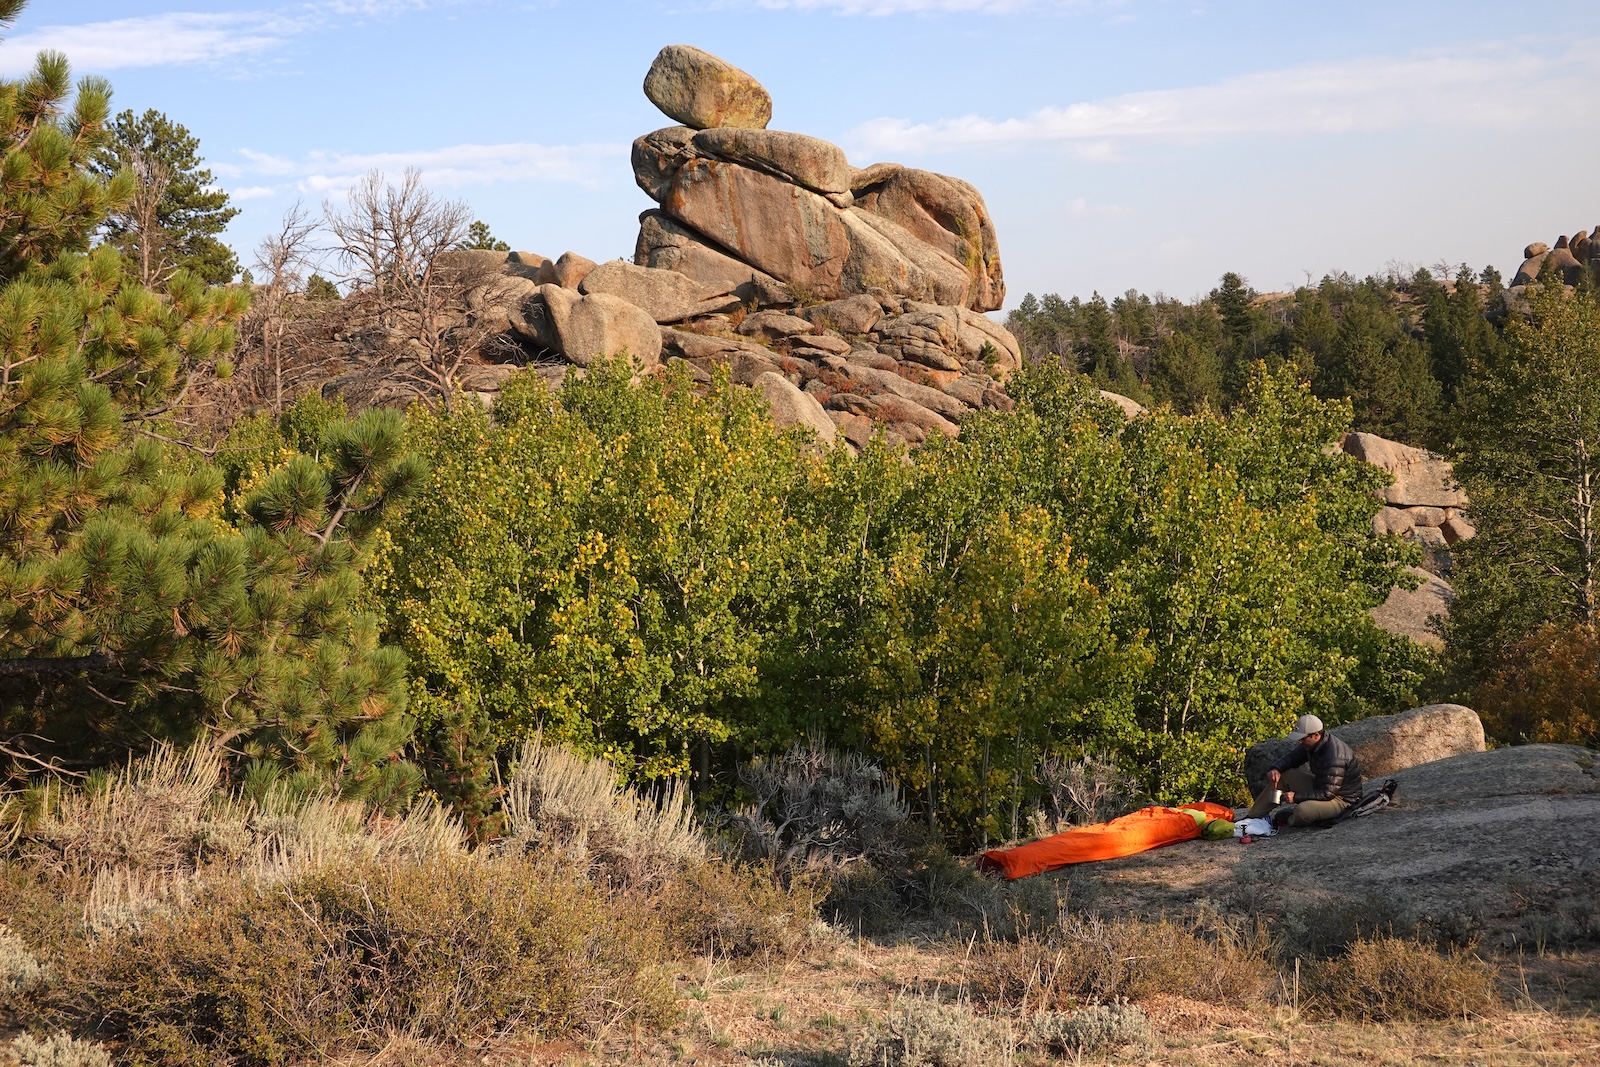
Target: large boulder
x=809 y=162
x=666 y=244
x=665 y=295
x=851 y=315
x=1562 y=260
x=775 y=226
x=568 y=271
x=1410 y=612
x=1385 y=744
x=1130 y=407
x=701 y=90
x=792 y=407
x=1420 y=478
x=886 y=255
x=601 y=325
x=947 y=214
x=1530 y=267
x=544 y=315
x=804 y=240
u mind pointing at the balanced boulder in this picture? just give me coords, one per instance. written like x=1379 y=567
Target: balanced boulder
x=700 y=90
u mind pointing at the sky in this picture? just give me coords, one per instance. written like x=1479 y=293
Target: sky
x=1148 y=144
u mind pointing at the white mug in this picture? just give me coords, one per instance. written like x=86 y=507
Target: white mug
x=1277 y=796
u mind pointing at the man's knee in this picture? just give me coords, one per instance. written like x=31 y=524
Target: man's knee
x=1311 y=812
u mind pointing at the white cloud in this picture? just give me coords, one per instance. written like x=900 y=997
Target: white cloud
x=455 y=166
x=152 y=40
x=182 y=37
x=1078 y=207
x=1485 y=87
x=252 y=192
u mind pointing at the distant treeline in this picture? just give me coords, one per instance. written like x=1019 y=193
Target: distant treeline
x=1397 y=347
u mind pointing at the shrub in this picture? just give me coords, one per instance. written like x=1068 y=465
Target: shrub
x=58 y=1050
x=1388 y=978
x=341 y=957
x=139 y=837
x=1317 y=927
x=560 y=803
x=716 y=908
x=1091 y=1029
x=924 y=1033
x=1095 y=960
x=1547 y=688
x=1084 y=791
x=19 y=971
x=815 y=807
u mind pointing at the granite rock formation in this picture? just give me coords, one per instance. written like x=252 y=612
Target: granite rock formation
x=861 y=290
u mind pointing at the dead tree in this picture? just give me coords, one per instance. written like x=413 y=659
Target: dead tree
x=283 y=258
x=391 y=243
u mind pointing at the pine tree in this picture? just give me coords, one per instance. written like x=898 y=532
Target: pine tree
x=1531 y=417
x=479 y=239
x=176 y=212
x=131 y=609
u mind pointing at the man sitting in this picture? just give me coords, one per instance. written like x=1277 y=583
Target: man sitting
x=1324 y=789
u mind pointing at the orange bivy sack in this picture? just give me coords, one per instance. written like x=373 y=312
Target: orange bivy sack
x=1140 y=831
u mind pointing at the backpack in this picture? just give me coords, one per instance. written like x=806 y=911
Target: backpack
x=1376 y=801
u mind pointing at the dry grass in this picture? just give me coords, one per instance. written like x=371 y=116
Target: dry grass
x=185 y=924
x=1093 y=960
x=455 y=950
x=1389 y=978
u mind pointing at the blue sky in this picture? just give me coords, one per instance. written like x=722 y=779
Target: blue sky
x=1135 y=144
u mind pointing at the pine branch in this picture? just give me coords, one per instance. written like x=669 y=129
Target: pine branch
x=35 y=665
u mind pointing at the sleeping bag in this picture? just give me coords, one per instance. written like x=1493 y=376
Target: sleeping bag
x=1140 y=831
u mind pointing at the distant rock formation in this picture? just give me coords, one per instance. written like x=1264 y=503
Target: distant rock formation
x=861 y=290
x=1426 y=505
x=1570 y=256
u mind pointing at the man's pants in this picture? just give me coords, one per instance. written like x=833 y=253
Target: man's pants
x=1306 y=812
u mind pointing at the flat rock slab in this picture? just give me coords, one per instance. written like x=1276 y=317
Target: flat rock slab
x=1486 y=839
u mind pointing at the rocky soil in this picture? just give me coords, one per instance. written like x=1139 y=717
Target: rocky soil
x=1501 y=846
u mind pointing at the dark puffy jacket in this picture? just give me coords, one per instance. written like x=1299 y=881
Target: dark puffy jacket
x=1334 y=768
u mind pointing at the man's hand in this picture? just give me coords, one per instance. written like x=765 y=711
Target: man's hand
x=1273 y=776
x=1288 y=796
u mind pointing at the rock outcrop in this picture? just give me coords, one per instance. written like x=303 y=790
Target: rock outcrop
x=1487 y=845
x=862 y=290
x=1424 y=502
x=1411 y=612
x=1386 y=743
x=1567 y=260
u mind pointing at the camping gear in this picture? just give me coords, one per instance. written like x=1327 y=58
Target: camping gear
x=1141 y=831
x=1247 y=828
